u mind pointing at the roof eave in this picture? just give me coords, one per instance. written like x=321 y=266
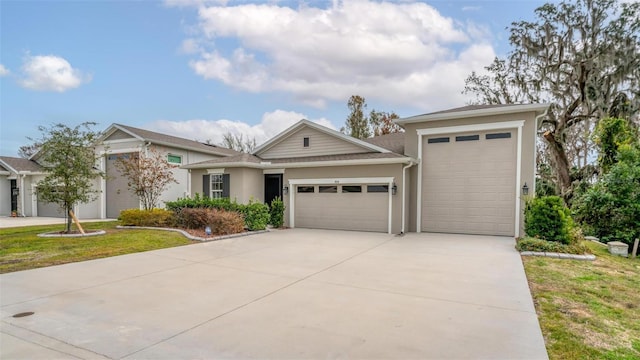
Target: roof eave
x=302 y=164
x=538 y=108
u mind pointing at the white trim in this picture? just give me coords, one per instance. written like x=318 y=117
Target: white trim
x=371 y=180
x=120 y=151
x=118 y=141
x=7 y=173
x=273 y=171
x=269 y=165
x=22 y=194
x=219 y=171
x=517 y=125
x=490 y=111
x=34 y=200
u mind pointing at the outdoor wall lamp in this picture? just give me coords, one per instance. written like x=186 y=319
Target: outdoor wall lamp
x=285 y=190
x=394 y=189
x=525 y=189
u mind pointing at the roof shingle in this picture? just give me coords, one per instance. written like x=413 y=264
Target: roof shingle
x=21 y=164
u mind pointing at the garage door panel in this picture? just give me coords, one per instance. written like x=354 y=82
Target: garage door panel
x=342 y=211
x=469 y=186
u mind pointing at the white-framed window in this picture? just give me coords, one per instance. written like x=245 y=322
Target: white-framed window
x=174 y=159
x=217 y=186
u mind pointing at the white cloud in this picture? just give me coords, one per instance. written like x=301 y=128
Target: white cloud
x=471 y=8
x=271 y=124
x=395 y=53
x=51 y=73
x=3 y=71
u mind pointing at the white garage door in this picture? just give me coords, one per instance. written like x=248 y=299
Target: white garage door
x=49 y=210
x=363 y=207
x=468 y=183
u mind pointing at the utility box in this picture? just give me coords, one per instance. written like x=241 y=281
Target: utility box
x=618 y=248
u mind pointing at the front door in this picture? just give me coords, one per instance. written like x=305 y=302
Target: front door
x=14 y=195
x=272 y=187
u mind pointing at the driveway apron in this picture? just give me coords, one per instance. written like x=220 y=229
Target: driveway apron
x=294 y=293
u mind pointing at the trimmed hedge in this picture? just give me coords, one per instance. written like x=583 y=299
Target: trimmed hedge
x=276 y=210
x=548 y=218
x=221 y=222
x=154 y=217
x=255 y=214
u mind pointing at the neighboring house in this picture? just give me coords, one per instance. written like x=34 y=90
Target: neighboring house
x=456 y=171
x=18 y=176
x=121 y=140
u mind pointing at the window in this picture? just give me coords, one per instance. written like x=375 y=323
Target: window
x=174 y=159
x=351 y=188
x=378 y=188
x=305 y=142
x=306 y=189
x=438 y=140
x=498 y=136
x=328 y=189
x=468 y=138
x=217 y=186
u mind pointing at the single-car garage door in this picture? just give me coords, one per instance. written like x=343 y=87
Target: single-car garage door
x=468 y=183
x=362 y=207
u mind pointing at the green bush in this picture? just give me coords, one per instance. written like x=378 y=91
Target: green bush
x=540 y=245
x=256 y=216
x=276 y=211
x=154 y=217
x=547 y=218
x=611 y=208
x=221 y=222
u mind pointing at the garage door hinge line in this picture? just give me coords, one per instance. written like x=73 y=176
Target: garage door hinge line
x=259 y=298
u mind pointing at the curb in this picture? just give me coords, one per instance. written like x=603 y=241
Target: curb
x=587 y=257
x=195 y=238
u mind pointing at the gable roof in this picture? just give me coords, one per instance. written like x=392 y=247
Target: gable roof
x=392 y=142
x=473 y=111
x=18 y=165
x=169 y=140
x=306 y=123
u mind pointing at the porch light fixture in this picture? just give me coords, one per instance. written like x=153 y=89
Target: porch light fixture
x=285 y=190
x=394 y=189
x=525 y=189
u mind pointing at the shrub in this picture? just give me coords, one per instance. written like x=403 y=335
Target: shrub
x=256 y=216
x=276 y=210
x=221 y=222
x=154 y=217
x=611 y=208
x=547 y=218
x=540 y=245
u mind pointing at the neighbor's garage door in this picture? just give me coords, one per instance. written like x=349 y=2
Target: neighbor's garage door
x=468 y=183
x=363 y=207
x=49 y=209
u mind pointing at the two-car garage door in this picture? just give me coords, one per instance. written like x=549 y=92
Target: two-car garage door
x=469 y=183
x=363 y=207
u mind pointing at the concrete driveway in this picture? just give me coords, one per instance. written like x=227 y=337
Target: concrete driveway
x=284 y=294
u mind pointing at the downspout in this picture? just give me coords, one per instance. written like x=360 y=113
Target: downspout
x=404 y=192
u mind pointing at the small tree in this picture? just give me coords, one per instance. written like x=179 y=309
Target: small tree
x=148 y=175
x=69 y=159
x=357 y=124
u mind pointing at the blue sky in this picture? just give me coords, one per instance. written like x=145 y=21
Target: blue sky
x=199 y=68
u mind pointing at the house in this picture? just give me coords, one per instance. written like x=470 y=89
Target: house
x=19 y=177
x=461 y=170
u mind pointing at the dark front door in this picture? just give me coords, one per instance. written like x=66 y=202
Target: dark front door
x=272 y=187
x=14 y=195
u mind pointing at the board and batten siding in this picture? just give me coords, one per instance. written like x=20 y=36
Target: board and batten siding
x=319 y=144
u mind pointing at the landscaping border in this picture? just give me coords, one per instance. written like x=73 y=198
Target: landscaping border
x=587 y=257
x=59 y=235
x=195 y=238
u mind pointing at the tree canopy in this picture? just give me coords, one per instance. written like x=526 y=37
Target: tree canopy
x=68 y=157
x=362 y=126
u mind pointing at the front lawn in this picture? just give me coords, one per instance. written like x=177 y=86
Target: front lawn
x=587 y=309
x=22 y=249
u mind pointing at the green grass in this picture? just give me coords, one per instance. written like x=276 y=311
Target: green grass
x=588 y=309
x=22 y=249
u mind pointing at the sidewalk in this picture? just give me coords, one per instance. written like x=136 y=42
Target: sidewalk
x=7 y=222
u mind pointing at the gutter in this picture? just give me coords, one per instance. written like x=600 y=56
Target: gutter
x=266 y=164
x=404 y=193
